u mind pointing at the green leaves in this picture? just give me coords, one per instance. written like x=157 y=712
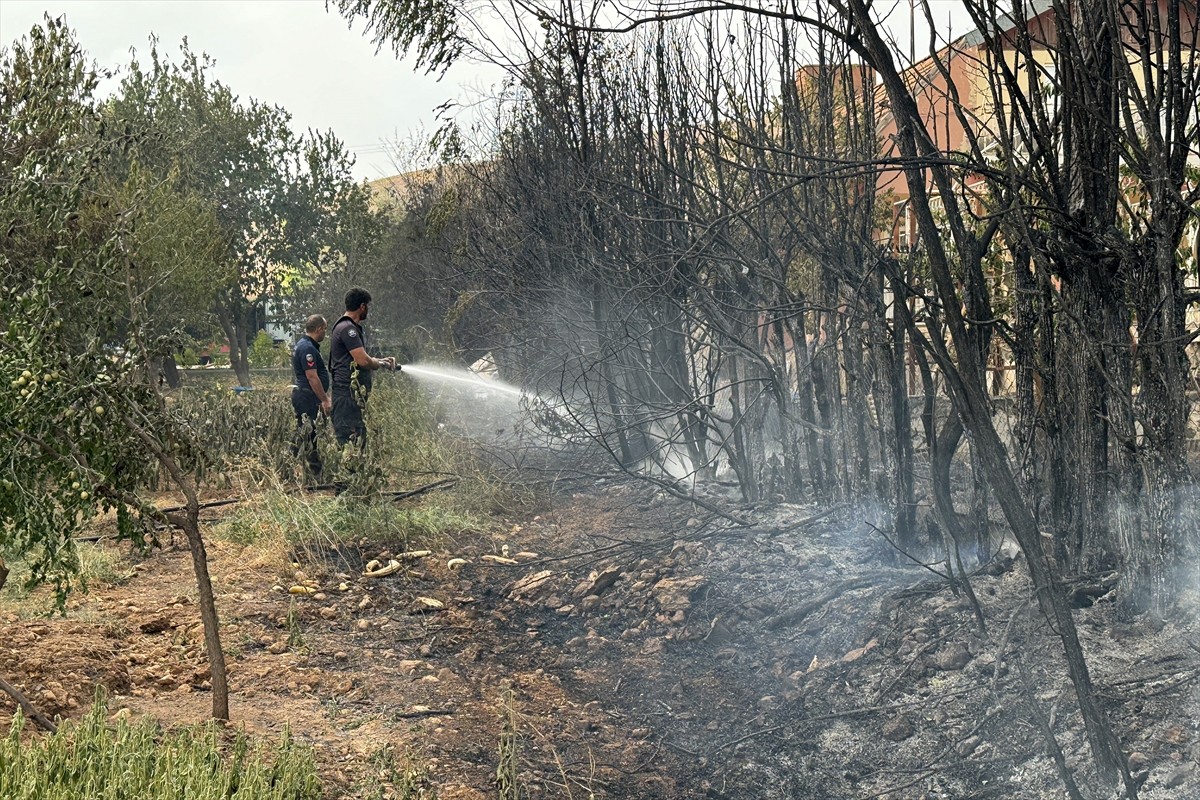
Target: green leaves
x=431 y=25
x=231 y=172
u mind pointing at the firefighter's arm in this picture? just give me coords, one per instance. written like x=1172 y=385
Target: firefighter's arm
x=359 y=354
x=314 y=383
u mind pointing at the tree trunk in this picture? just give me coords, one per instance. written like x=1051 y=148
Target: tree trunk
x=1159 y=537
x=231 y=316
x=208 y=609
x=170 y=370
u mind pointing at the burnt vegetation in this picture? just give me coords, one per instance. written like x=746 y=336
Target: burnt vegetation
x=885 y=365
x=766 y=256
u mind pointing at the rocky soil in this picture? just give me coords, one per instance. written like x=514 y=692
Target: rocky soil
x=638 y=650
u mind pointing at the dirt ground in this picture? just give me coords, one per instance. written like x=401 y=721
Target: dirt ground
x=637 y=650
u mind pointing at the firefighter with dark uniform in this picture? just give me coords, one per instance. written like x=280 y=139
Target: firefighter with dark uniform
x=310 y=392
x=352 y=367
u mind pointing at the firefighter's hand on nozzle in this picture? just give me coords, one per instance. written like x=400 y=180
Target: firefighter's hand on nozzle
x=389 y=362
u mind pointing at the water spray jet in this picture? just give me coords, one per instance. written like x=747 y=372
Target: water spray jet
x=460 y=376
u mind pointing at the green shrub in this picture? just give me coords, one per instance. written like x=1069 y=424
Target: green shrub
x=264 y=352
x=99 y=761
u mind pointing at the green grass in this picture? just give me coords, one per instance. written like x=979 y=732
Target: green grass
x=99 y=565
x=310 y=526
x=91 y=759
x=400 y=778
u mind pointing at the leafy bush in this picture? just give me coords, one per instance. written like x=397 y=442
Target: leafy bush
x=101 y=762
x=237 y=428
x=265 y=353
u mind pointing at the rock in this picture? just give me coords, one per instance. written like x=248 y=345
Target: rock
x=552 y=602
x=968 y=745
x=856 y=654
x=897 y=729
x=719 y=633
x=1179 y=776
x=952 y=658
x=598 y=582
x=590 y=602
x=1138 y=761
x=277 y=647
x=328 y=612
x=1176 y=734
x=341 y=655
x=529 y=585
x=363 y=625
x=410 y=665
x=676 y=594
x=156 y=624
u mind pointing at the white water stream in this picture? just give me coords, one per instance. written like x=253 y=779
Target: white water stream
x=460 y=376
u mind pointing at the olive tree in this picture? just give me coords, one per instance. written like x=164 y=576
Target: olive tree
x=281 y=199
x=86 y=426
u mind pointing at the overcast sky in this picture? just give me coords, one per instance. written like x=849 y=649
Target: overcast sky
x=291 y=53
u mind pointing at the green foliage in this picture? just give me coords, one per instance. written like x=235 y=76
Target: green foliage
x=402 y=778
x=285 y=205
x=98 y=564
x=180 y=250
x=432 y=25
x=78 y=404
x=237 y=430
x=101 y=762
x=264 y=353
x=508 y=770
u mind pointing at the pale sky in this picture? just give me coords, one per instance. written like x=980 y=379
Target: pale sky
x=291 y=53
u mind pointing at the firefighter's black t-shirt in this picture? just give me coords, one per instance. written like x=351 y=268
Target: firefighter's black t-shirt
x=306 y=356
x=347 y=335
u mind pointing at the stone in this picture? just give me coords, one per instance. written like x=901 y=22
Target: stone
x=328 y=612
x=278 y=647
x=968 y=745
x=952 y=658
x=589 y=603
x=598 y=582
x=897 y=729
x=1179 y=776
x=1176 y=734
x=1138 y=761
x=156 y=624
x=529 y=585
x=676 y=594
